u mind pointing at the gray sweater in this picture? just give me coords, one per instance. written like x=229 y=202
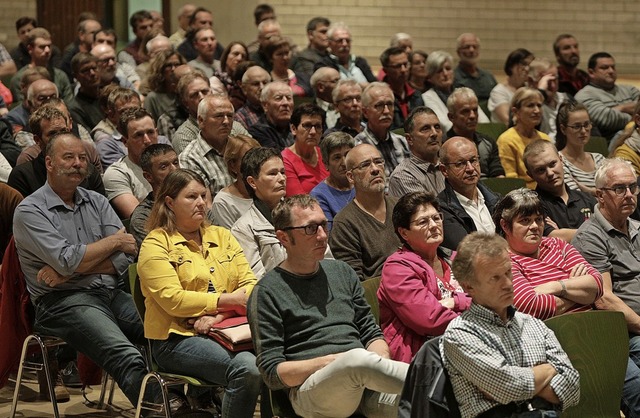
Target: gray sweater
x=600 y=103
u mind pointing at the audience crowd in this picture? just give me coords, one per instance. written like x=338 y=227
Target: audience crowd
x=265 y=182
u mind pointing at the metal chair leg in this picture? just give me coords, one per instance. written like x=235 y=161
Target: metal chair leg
x=104 y=388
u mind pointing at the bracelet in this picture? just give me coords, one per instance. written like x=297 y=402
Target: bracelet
x=563 y=292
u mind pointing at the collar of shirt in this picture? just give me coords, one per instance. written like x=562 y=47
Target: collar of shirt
x=204 y=146
x=53 y=200
x=208 y=239
x=489 y=316
x=324 y=105
x=632 y=225
x=466 y=201
x=424 y=165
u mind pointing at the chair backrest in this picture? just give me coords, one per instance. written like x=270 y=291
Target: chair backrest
x=371 y=295
x=597 y=343
x=597 y=144
x=492 y=130
x=136 y=292
x=503 y=185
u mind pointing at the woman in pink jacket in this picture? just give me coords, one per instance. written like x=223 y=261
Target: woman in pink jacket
x=418 y=294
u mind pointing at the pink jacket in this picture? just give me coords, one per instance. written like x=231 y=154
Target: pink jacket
x=409 y=309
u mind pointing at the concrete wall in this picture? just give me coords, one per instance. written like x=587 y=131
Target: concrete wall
x=502 y=25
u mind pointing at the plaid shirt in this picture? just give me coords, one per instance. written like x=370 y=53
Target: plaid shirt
x=249 y=115
x=394 y=148
x=4 y=55
x=204 y=160
x=485 y=355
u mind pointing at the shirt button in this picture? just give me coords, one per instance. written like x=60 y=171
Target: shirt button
x=212 y=269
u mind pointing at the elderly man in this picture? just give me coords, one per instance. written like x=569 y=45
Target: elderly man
x=39 y=45
x=467 y=73
x=85 y=108
x=323 y=81
x=349 y=65
x=378 y=103
x=347 y=98
x=204 y=41
x=395 y=62
x=609 y=242
x=86 y=32
x=277 y=101
x=37 y=90
x=487 y=375
x=466 y=203
x=184 y=15
x=29 y=176
x=73 y=252
x=109 y=69
x=420 y=171
x=610 y=105
x=124 y=182
x=565 y=207
x=157 y=161
x=124 y=71
x=266 y=30
x=571 y=79
x=304 y=62
x=141 y=22
x=253 y=81
x=462 y=105
x=313 y=330
x=200 y=19
x=205 y=154
x=362 y=233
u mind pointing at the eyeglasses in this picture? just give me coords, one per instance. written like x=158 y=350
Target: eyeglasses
x=350 y=99
x=580 y=126
x=425 y=221
x=621 y=190
x=308 y=126
x=379 y=162
x=380 y=106
x=310 y=229
x=459 y=165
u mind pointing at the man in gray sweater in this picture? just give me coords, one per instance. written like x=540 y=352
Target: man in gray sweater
x=313 y=331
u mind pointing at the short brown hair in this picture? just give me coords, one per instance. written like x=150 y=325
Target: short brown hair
x=472 y=247
x=128 y=115
x=281 y=215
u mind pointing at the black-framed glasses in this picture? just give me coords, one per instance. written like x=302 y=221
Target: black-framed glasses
x=307 y=126
x=580 y=126
x=425 y=221
x=380 y=106
x=459 y=165
x=621 y=190
x=379 y=162
x=350 y=99
x=310 y=229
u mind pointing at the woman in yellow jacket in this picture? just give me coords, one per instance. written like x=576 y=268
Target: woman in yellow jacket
x=193 y=276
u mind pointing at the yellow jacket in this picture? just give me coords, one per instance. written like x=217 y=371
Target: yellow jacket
x=625 y=152
x=511 y=149
x=174 y=277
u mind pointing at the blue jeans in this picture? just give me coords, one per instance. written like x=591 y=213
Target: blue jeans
x=101 y=323
x=631 y=389
x=203 y=358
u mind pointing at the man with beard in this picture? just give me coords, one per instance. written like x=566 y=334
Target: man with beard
x=610 y=105
x=467 y=73
x=362 y=234
x=277 y=101
x=205 y=154
x=73 y=252
x=85 y=108
x=395 y=63
x=571 y=79
x=420 y=172
x=108 y=66
x=347 y=98
x=466 y=203
x=378 y=103
x=462 y=105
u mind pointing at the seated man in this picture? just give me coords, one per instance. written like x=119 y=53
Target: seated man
x=467 y=73
x=33 y=97
x=610 y=105
x=274 y=130
x=157 y=161
x=362 y=233
x=253 y=81
x=395 y=62
x=571 y=79
x=462 y=105
x=420 y=172
x=84 y=107
x=466 y=203
x=347 y=98
x=204 y=41
x=74 y=251
x=323 y=81
x=124 y=182
x=317 y=49
x=377 y=105
x=500 y=361
x=313 y=330
x=565 y=207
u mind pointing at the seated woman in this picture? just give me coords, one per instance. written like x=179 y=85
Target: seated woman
x=517 y=69
x=550 y=277
x=278 y=51
x=418 y=294
x=418 y=71
x=302 y=163
x=440 y=78
x=234 y=54
x=193 y=276
x=231 y=202
x=335 y=191
x=572 y=134
x=264 y=177
x=526 y=107
x=630 y=140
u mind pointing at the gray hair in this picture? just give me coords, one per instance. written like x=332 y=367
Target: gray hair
x=472 y=247
x=399 y=37
x=461 y=93
x=30 y=90
x=436 y=60
x=318 y=75
x=205 y=104
x=376 y=85
x=337 y=26
x=462 y=36
x=266 y=90
x=337 y=139
x=602 y=173
x=343 y=82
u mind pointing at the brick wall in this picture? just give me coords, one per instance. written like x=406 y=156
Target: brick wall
x=10 y=11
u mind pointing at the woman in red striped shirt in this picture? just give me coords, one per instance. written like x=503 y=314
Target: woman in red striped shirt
x=550 y=277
